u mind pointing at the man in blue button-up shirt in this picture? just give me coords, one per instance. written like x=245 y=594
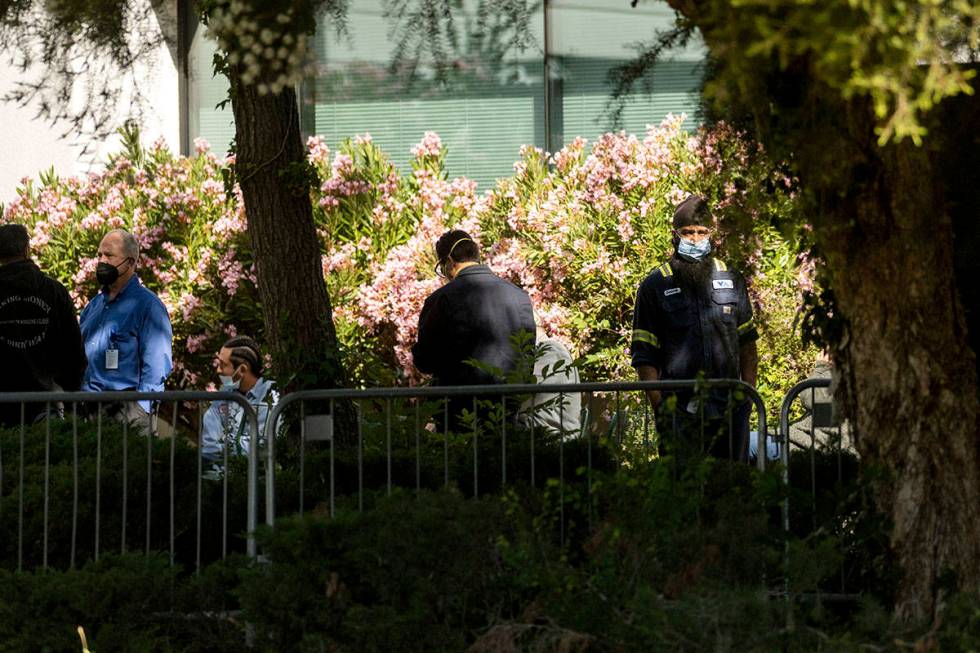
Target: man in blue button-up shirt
x=126 y=329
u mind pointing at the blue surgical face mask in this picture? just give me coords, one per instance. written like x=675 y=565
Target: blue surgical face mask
x=696 y=251
x=228 y=384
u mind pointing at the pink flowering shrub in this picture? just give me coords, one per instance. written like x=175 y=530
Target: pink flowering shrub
x=577 y=229
x=195 y=254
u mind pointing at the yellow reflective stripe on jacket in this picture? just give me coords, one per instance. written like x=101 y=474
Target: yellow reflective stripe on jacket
x=742 y=328
x=720 y=265
x=666 y=270
x=639 y=335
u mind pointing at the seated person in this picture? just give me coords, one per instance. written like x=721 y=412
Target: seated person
x=554 y=413
x=239 y=366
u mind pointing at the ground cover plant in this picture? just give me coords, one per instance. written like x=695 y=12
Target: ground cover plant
x=660 y=559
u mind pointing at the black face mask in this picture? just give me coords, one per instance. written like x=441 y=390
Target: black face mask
x=107 y=273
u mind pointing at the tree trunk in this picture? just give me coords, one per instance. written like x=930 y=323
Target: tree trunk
x=271 y=171
x=909 y=376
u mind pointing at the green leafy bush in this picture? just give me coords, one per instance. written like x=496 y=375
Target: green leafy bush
x=578 y=229
x=111 y=496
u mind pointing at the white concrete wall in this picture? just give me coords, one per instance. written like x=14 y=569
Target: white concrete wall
x=29 y=144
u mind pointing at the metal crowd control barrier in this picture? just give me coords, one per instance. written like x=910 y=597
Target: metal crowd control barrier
x=816 y=430
x=335 y=399
x=50 y=401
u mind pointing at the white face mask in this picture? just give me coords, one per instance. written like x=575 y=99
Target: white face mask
x=228 y=383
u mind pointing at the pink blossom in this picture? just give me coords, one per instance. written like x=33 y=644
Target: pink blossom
x=196 y=342
x=429 y=146
x=231 y=271
x=187 y=304
x=85 y=271
x=319 y=153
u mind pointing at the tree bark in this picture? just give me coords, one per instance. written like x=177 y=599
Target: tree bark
x=909 y=373
x=296 y=310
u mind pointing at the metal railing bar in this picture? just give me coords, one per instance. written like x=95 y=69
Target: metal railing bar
x=360 y=457
x=173 y=494
x=813 y=461
x=418 y=451
x=149 y=487
x=302 y=454
x=252 y=491
x=224 y=490
x=731 y=432
x=445 y=441
x=503 y=443
x=561 y=467
x=507 y=389
x=200 y=471
x=619 y=421
x=98 y=476
x=388 y=439
x=532 y=455
x=784 y=426
x=646 y=423
x=74 y=502
x=588 y=437
x=47 y=477
x=125 y=482
x=20 y=496
x=476 y=462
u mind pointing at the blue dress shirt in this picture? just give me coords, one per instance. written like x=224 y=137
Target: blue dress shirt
x=136 y=324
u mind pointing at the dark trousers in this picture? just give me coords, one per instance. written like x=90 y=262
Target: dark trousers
x=689 y=436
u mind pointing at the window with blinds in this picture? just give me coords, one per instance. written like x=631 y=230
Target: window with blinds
x=205 y=91
x=492 y=99
x=589 y=38
x=489 y=102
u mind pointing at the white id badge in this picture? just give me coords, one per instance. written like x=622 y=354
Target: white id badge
x=112 y=359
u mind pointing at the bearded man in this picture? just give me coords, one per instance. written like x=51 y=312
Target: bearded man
x=693 y=317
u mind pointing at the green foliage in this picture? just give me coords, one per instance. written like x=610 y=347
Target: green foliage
x=111 y=494
x=433 y=581
x=655 y=558
x=901 y=56
x=112 y=599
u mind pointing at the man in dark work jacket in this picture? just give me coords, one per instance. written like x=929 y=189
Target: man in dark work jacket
x=40 y=342
x=477 y=315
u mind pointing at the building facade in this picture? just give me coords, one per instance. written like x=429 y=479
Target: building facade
x=495 y=91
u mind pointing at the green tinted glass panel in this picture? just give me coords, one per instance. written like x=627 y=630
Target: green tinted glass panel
x=489 y=104
x=580 y=67
x=492 y=100
x=204 y=92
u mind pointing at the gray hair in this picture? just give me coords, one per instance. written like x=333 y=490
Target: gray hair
x=131 y=247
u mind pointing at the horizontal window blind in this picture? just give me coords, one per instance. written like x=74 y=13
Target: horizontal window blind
x=490 y=103
x=586 y=92
x=590 y=38
x=204 y=92
x=493 y=98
